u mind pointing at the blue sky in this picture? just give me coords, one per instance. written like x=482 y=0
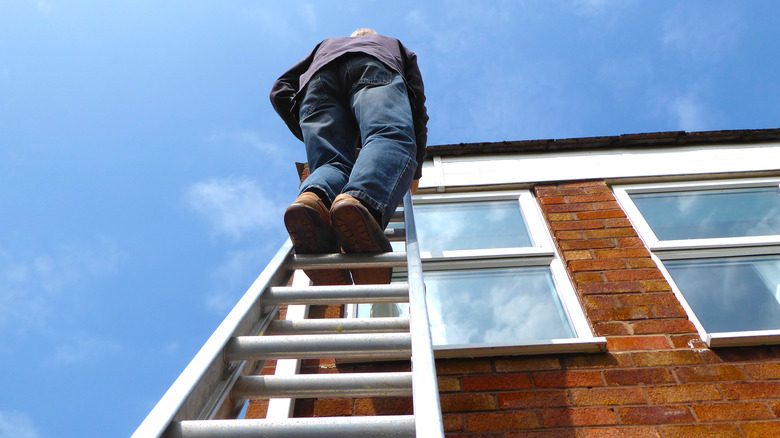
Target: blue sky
x=143 y=172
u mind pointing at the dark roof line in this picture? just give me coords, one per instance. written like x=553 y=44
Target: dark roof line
x=653 y=139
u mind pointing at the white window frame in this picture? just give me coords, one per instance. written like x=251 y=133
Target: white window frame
x=541 y=254
x=698 y=249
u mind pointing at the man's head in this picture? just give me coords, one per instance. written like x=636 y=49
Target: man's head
x=363 y=32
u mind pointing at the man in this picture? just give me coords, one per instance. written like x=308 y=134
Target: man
x=358 y=104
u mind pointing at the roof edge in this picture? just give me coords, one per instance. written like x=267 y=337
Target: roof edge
x=644 y=140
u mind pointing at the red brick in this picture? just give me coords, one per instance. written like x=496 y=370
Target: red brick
x=452 y=422
x=515 y=364
x=701 y=431
x=601 y=214
x=619 y=314
x=611 y=328
x=654 y=285
x=592 y=301
x=630 y=242
x=587 y=244
x=448 y=384
x=633 y=274
x=608 y=396
x=589 y=277
x=555 y=217
x=578 y=417
x=638 y=376
x=655 y=415
x=764 y=371
x=596 y=265
x=496 y=382
x=610 y=232
x=609 y=287
x=638 y=343
x=332 y=408
x=567 y=235
x=775 y=407
x=501 y=421
x=467 y=402
x=567 y=208
x=567 y=379
x=577 y=255
x=750 y=354
x=463 y=366
x=256 y=409
x=683 y=393
x=601 y=197
x=621 y=432
x=600 y=189
x=623 y=253
x=709 y=373
x=576 y=225
x=384 y=406
x=761 y=429
x=669 y=311
x=557 y=191
x=647 y=299
x=617 y=222
x=687 y=341
x=606 y=205
x=642 y=262
x=598 y=361
x=546 y=433
x=751 y=390
x=551 y=200
x=665 y=358
x=533 y=399
x=732 y=411
x=663 y=326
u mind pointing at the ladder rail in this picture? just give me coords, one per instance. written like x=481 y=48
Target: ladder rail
x=425 y=387
x=208 y=373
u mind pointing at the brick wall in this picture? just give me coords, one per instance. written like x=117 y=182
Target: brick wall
x=657 y=378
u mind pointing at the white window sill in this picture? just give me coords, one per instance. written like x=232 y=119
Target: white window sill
x=552 y=346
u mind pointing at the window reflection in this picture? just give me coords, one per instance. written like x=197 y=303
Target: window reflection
x=471 y=225
x=500 y=306
x=711 y=213
x=731 y=294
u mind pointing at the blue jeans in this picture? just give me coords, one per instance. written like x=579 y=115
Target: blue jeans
x=354 y=102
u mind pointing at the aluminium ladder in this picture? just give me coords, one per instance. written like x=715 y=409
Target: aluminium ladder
x=211 y=392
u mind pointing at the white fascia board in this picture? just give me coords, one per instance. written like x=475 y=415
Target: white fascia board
x=480 y=170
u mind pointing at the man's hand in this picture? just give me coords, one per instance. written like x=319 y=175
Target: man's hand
x=415 y=185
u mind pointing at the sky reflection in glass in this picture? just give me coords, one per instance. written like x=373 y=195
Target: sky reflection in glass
x=471 y=225
x=731 y=294
x=711 y=213
x=504 y=306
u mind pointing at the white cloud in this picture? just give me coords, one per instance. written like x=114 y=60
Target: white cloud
x=16 y=425
x=32 y=285
x=250 y=138
x=234 y=206
x=690 y=113
x=233 y=277
x=703 y=34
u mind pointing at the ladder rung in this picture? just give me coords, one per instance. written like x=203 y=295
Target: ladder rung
x=317 y=346
x=396 y=234
x=322 y=427
x=338 y=325
x=384 y=293
x=338 y=261
x=325 y=385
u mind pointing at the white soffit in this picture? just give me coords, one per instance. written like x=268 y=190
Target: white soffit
x=452 y=171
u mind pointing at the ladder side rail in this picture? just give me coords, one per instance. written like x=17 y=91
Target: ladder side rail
x=425 y=388
x=208 y=374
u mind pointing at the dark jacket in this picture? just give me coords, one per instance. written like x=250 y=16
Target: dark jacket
x=390 y=51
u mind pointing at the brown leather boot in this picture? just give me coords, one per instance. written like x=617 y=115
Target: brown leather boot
x=358 y=232
x=308 y=222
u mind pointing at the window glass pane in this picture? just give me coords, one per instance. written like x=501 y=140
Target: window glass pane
x=731 y=294
x=504 y=306
x=711 y=213
x=471 y=225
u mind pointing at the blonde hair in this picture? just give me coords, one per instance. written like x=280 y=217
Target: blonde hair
x=363 y=32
